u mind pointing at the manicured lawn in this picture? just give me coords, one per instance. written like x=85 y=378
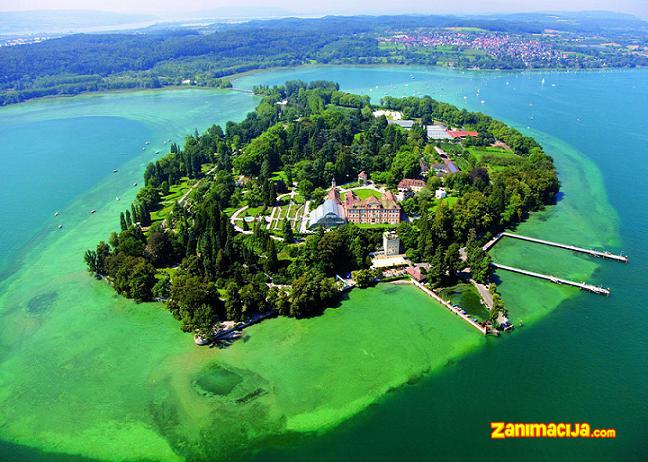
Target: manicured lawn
x=462 y=163
x=363 y=193
x=376 y=226
x=450 y=200
x=491 y=152
x=169 y=201
x=280 y=175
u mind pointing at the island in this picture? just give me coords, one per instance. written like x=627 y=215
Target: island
x=316 y=192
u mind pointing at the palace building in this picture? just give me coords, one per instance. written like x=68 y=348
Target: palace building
x=372 y=210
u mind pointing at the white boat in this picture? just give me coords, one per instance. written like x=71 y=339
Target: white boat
x=60 y=226
x=56 y=214
x=117 y=198
x=115 y=170
x=93 y=210
x=147 y=142
x=157 y=152
x=134 y=184
x=482 y=101
x=198 y=340
x=542 y=82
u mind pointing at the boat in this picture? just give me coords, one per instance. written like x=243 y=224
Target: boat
x=198 y=340
x=56 y=214
x=157 y=152
x=117 y=198
x=135 y=184
x=482 y=101
x=147 y=142
x=542 y=82
x=60 y=226
x=93 y=210
x=115 y=170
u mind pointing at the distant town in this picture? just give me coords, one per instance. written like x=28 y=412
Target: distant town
x=471 y=47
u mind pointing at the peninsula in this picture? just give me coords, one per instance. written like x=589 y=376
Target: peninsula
x=318 y=191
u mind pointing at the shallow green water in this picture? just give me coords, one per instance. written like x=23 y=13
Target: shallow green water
x=83 y=372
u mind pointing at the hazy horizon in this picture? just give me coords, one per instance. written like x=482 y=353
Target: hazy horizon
x=296 y=7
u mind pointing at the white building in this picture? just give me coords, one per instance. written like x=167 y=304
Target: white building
x=440 y=193
x=391 y=244
x=437 y=132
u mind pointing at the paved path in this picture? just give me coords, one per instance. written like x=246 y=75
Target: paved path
x=304 y=225
x=485 y=294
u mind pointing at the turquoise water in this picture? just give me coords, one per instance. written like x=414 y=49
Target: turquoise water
x=587 y=360
x=84 y=373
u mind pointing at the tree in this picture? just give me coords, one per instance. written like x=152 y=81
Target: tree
x=158 y=248
x=96 y=259
x=272 y=262
x=287 y=230
x=312 y=292
x=90 y=258
x=479 y=262
x=453 y=260
x=162 y=288
x=364 y=278
x=188 y=294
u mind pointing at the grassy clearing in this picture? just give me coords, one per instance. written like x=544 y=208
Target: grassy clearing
x=280 y=176
x=463 y=164
x=450 y=200
x=376 y=226
x=493 y=157
x=168 y=202
x=480 y=152
x=363 y=193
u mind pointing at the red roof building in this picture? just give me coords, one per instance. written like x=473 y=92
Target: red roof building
x=461 y=133
x=411 y=184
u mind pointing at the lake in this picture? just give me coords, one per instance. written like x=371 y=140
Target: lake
x=388 y=374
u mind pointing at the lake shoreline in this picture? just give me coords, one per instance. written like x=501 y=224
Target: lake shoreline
x=153 y=387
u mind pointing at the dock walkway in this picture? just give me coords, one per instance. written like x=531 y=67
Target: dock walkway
x=555 y=280
x=573 y=248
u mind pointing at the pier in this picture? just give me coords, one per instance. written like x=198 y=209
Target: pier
x=555 y=280
x=573 y=248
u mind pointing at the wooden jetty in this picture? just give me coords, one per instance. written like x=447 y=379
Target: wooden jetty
x=594 y=253
x=555 y=280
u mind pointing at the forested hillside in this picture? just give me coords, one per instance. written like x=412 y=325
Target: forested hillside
x=154 y=58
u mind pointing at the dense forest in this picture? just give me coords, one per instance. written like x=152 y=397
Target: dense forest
x=206 y=271
x=154 y=58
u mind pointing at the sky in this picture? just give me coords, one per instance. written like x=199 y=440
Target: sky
x=637 y=7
